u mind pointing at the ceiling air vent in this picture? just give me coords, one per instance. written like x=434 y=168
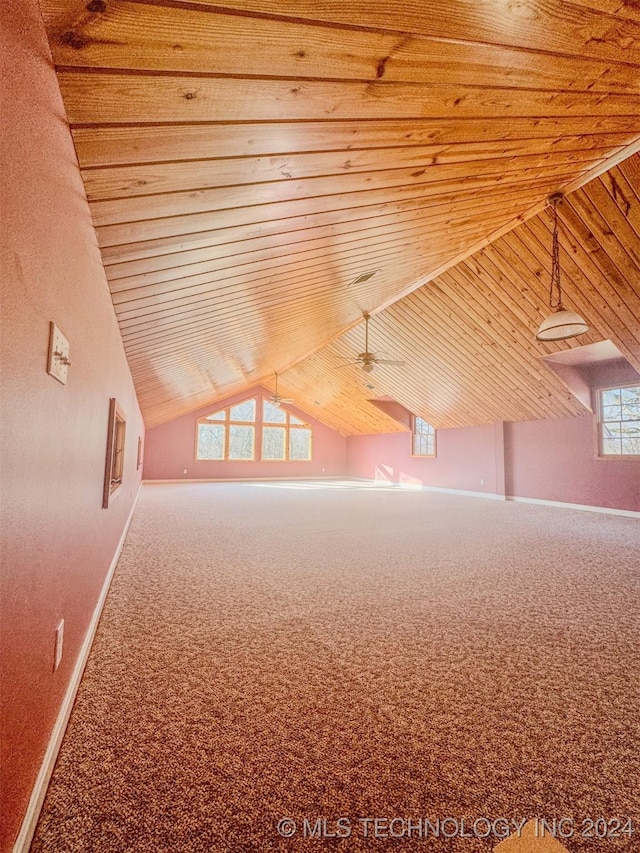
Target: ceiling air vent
x=364 y=277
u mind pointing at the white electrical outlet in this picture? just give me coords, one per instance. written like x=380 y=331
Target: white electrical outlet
x=185 y=471
x=482 y=481
x=58 y=645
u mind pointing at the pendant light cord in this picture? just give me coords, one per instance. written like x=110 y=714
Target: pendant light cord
x=555 y=288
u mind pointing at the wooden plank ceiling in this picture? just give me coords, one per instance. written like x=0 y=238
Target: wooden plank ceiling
x=246 y=163
x=468 y=336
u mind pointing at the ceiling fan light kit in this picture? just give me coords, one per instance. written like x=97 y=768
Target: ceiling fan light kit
x=561 y=324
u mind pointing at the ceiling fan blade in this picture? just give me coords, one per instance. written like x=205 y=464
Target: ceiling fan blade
x=390 y=362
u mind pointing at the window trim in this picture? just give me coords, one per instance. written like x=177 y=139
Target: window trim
x=414 y=419
x=609 y=457
x=228 y=423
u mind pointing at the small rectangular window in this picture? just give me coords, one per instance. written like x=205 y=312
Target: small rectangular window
x=423 y=438
x=619 y=421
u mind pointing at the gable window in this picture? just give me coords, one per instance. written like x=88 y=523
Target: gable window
x=284 y=436
x=619 y=421
x=228 y=434
x=423 y=438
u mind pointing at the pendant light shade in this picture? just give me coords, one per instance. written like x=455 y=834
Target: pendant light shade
x=561 y=324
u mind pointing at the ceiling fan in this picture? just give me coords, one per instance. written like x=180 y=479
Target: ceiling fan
x=368 y=360
x=275 y=398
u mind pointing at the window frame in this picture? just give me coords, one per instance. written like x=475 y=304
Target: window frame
x=414 y=433
x=227 y=422
x=115 y=456
x=599 y=423
x=287 y=426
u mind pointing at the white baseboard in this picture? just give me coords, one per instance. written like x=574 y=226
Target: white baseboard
x=584 y=507
x=491 y=495
x=29 y=823
x=243 y=479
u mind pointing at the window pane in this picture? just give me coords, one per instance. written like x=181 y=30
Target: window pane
x=631 y=412
x=273 y=414
x=631 y=396
x=611 y=397
x=421 y=427
x=273 y=439
x=620 y=421
x=631 y=446
x=245 y=411
x=300 y=444
x=630 y=432
x=216 y=416
x=612 y=429
x=241 y=442
x=422 y=445
x=294 y=420
x=611 y=447
x=611 y=413
x=211 y=441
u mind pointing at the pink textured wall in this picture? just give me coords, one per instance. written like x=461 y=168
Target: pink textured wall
x=551 y=460
x=464 y=458
x=170 y=448
x=555 y=460
x=614 y=372
x=57 y=541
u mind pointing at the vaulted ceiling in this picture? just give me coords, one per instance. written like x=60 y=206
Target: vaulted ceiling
x=245 y=164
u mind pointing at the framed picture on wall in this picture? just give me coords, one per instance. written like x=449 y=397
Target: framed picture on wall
x=114 y=465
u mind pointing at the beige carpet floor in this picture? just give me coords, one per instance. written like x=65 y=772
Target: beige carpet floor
x=309 y=651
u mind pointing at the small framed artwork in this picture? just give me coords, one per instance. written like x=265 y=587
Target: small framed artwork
x=114 y=465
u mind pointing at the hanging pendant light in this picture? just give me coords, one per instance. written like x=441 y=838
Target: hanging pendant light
x=562 y=324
